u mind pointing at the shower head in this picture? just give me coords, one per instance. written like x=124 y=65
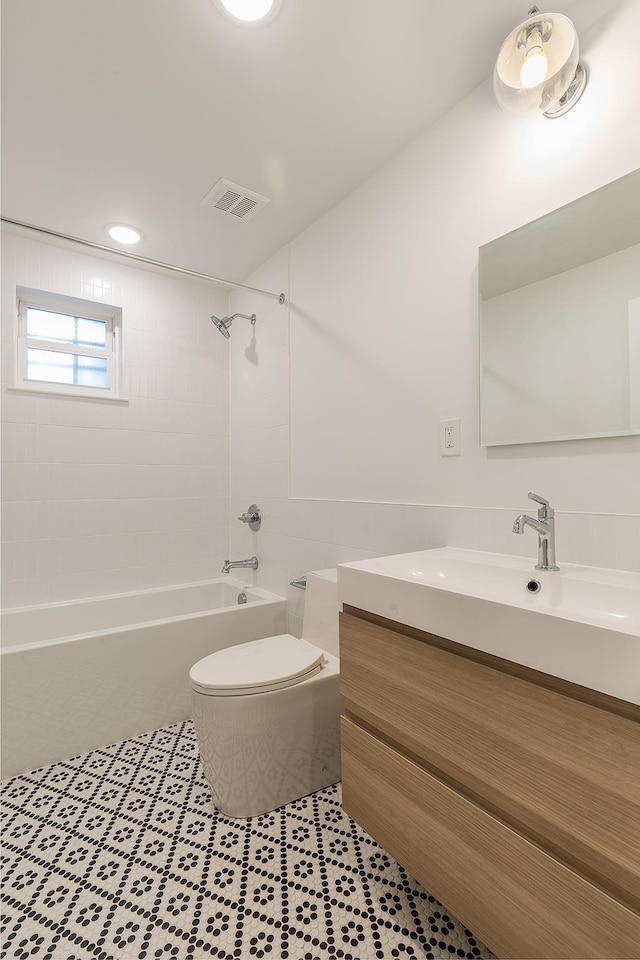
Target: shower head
x=224 y=324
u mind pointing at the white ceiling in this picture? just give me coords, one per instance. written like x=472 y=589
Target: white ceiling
x=130 y=110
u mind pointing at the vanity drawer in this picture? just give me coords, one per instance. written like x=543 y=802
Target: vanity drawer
x=515 y=897
x=564 y=773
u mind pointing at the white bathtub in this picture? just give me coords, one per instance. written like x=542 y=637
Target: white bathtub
x=83 y=674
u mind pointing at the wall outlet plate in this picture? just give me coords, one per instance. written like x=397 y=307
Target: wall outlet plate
x=450 y=438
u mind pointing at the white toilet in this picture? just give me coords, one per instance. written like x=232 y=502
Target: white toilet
x=267 y=712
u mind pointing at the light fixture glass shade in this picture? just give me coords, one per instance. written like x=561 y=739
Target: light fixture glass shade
x=538 y=66
x=249 y=11
x=123 y=233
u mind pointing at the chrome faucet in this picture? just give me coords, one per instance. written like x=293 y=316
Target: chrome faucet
x=229 y=565
x=545 y=528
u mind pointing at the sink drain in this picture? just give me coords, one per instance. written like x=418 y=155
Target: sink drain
x=534 y=586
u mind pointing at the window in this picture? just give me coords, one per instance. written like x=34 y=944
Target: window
x=68 y=346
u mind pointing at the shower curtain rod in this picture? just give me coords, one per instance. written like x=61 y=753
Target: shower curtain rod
x=280 y=297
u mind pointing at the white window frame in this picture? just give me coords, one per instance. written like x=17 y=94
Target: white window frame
x=74 y=307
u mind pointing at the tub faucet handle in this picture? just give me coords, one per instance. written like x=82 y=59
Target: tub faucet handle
x=253 y=517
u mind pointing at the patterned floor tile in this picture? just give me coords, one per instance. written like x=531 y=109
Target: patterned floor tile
x=66 y=813
x=141 y=888
x=199 y=799
x=19 y=831
x=214 y=932
x=121 y=855
x=26 y=880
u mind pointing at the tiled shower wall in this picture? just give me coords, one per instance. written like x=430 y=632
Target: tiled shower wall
x=101 y=497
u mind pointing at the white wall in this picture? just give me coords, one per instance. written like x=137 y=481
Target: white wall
x=384 y=300
x=100 y=498
x=384 y=344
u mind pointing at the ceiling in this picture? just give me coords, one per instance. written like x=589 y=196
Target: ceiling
x=130 y=110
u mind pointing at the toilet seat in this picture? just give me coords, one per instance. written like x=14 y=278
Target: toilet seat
x=257 y=667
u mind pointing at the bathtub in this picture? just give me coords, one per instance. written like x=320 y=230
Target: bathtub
x=86 y=673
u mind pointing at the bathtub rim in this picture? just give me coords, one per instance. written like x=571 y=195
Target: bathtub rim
x=263 y=597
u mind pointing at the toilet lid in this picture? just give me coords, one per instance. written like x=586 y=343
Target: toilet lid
x=257 y=666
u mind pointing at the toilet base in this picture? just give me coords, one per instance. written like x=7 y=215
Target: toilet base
x=263 y=750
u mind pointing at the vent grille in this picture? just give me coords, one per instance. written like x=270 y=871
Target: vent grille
x=227 y=200
x=232 y=200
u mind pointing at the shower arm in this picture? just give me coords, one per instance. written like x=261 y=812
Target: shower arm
x=245 y=316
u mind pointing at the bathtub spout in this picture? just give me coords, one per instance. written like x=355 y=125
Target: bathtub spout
x=229 y=565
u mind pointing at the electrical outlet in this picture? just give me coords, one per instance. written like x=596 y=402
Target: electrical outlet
x=450 y=438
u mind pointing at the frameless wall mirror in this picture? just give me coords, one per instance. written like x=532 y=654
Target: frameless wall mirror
x=560 y=322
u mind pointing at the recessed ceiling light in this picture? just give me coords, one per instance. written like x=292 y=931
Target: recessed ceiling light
x=122 y=233
x=249 y=11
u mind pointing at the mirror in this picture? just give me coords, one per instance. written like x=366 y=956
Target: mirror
x=560 y=322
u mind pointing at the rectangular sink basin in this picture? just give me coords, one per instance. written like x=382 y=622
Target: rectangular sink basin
x=581 y=623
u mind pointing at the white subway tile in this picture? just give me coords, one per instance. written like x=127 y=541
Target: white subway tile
x=12 y=524
x=14 y=593
x=14 y=560
x=8 y=443
x=38 y=590
x=271 y=479
x=18 y=438
x=13 y=481
x=627 y=541
x=14 y=408
x=295 y=626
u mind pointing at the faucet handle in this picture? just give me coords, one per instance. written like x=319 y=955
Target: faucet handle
x=545 y=510
x=253 y=517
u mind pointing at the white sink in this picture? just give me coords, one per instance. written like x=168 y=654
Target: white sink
x=583 y=625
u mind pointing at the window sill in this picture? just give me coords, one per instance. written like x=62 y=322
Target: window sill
x=59 y=395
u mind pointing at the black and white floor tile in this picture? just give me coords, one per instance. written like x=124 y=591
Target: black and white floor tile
x=120 y=855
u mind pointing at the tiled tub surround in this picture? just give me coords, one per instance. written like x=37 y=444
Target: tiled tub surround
x=99 y=497
x=121 y=854
x=99 y=670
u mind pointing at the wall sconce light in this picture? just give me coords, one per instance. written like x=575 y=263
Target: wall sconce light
x=538 y=66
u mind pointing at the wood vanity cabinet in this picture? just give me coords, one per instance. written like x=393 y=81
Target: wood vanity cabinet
x=513 y=796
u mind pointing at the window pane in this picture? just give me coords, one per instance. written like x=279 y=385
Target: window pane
x=91 y=333
x=47 y=365
x=66 y=328
x=50 y=326
x=91 y=372
x=69 y=368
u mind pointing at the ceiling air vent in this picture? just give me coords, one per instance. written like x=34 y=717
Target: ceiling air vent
x=235 y=201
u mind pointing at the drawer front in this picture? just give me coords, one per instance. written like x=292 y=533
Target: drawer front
x=515 y=897
x=564 y=773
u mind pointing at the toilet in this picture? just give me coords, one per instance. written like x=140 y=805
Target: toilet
x=267 y=712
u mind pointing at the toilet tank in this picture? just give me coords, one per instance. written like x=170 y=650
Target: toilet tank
x=320 y=624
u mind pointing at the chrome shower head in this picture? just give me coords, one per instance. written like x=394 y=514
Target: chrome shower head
x=224 y=324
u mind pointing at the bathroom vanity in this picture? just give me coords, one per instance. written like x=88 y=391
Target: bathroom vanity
x=508 y=787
